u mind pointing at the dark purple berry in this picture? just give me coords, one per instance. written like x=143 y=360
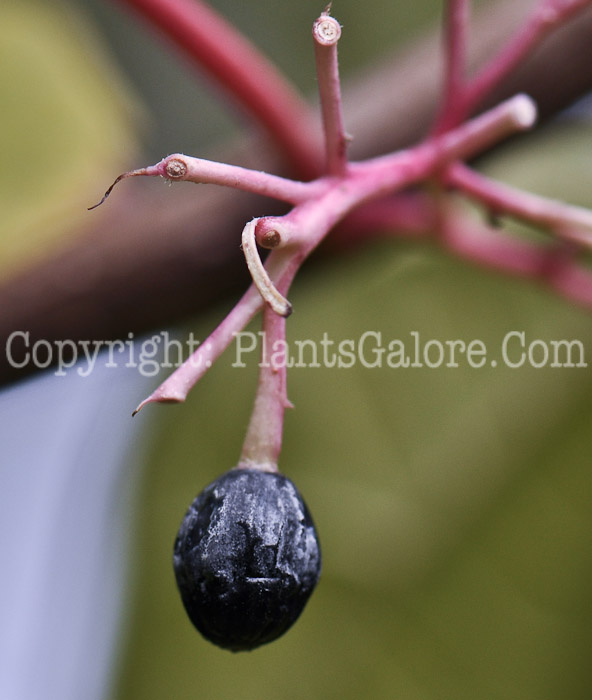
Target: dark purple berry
x=246 y=558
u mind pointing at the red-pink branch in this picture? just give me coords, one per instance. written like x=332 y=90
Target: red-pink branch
x=555 y=264
x=121 y=274
x=463 y=97
x=456 y=25
x=547 y=16
x=247 y=76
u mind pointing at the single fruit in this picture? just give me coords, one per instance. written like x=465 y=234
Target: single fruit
x=246 y=558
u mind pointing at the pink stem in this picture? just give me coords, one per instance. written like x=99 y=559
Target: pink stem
x=482 y=245
x=404 y=214
x=263 y=441
x=573 y=282
x=326 y=32
x=309 y=222
x=565 y=220
x=176 y=387
x=455 y=37
x=380 y=176
x=548 y=15
x=552 y=264
x=182 y=168
x=472 y=137
x=245 y=73
x=492 y=247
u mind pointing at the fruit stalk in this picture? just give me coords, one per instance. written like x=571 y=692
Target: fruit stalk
x=263 y=441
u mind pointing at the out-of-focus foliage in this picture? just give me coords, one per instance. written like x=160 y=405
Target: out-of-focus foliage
x=64 y=126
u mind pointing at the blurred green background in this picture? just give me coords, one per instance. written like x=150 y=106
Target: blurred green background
x=453 y=504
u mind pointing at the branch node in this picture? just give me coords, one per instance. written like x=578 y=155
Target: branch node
x=176 y=169
x=270 y=239
x=261 y=279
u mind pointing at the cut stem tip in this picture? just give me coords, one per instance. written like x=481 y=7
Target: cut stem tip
x=326 y=30
x=524 y=111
